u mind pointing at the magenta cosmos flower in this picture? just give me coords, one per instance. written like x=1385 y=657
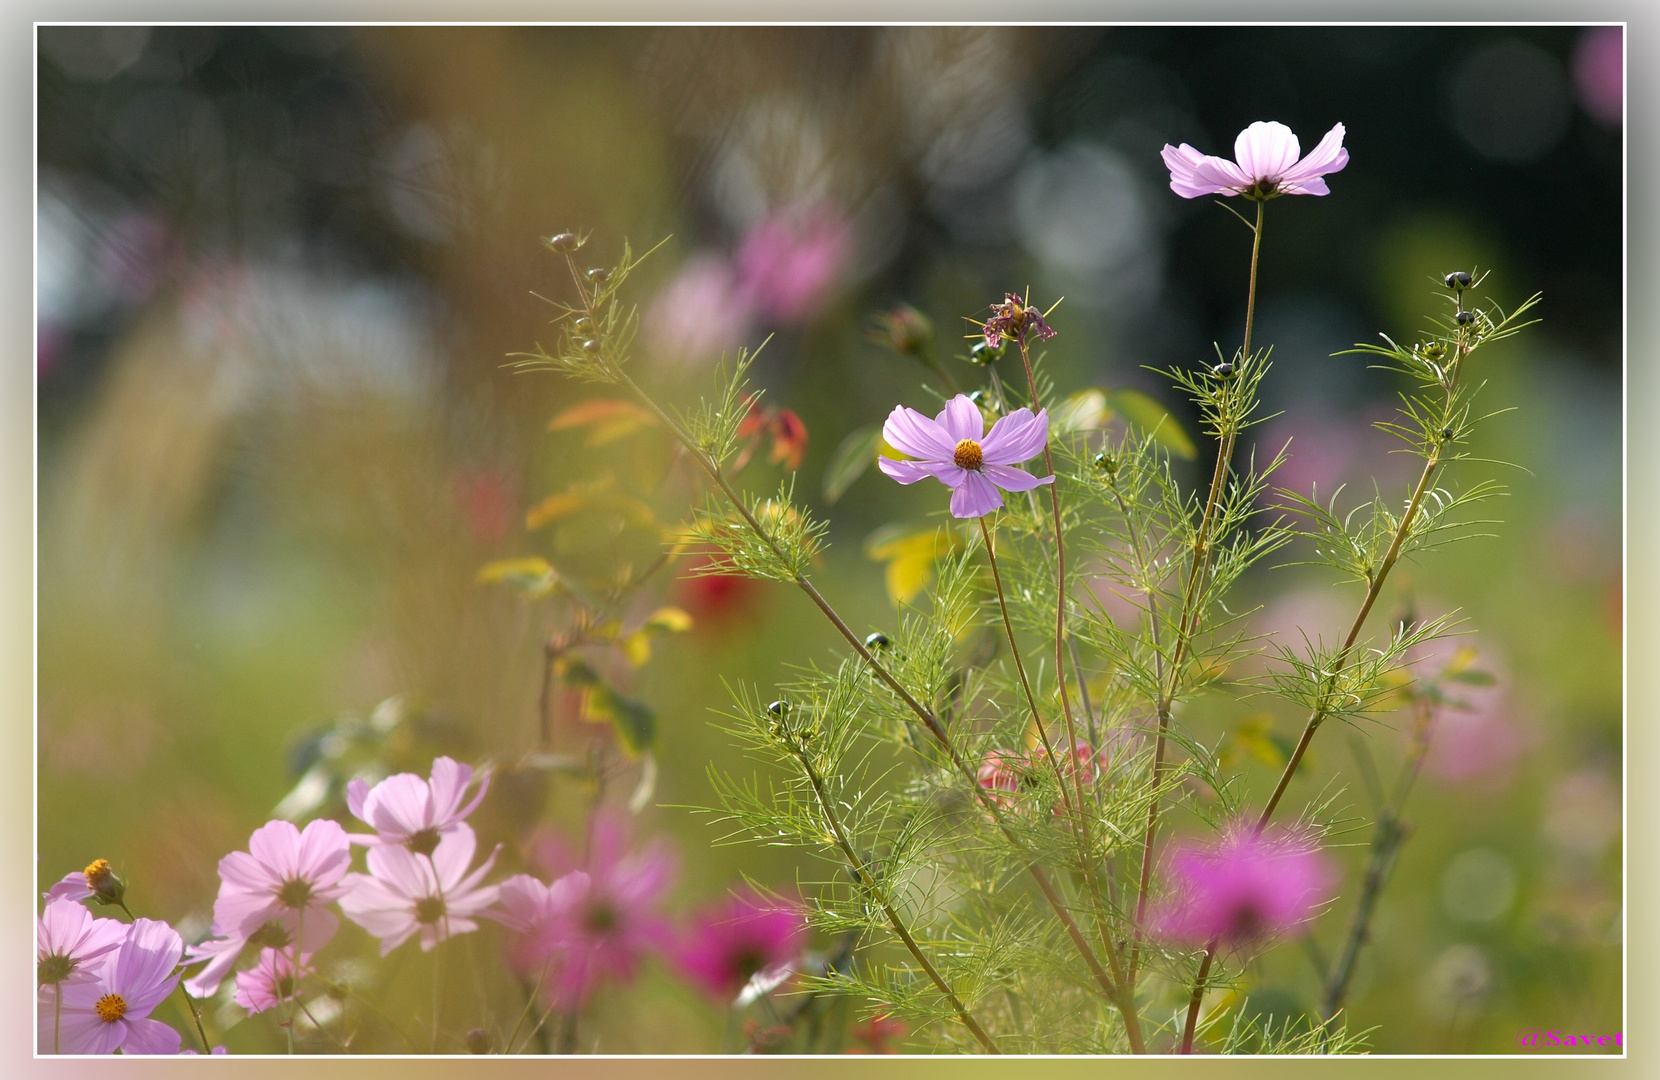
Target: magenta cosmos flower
x=432 y=894
x=404 y=809
x=955 y=449
x=111 y=1011
x=1242 y=889
x=1267 y=165
x=746 y=936
x=274 y=893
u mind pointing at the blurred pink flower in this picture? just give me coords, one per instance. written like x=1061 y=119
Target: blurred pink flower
x=268 y=983
x=955 y=449
x=111 y=1011
x=272 y=892
x=598 y=923
x=1000 y=772
x=432 y=893
x=1241 y=889
x=736 y=940
x=700 y=313
x=1476 y=735
x=404 y=809
x=535 y=911
x=1267 y=165
x=1599 y=73
x=789 y=262
x=71 y=947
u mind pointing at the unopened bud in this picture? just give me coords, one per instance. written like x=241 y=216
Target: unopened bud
x=1104 y=461
x=982 y=354
x=478 y=1041
x=105 y=886
x=1446 y=433
x=591 y=345
x=599 y=275
x=564 y=243
x=877 y=640
x=1224 y=369
x=778 y=708
x=1465 y=318
x=907 y=330
x=1459 y=280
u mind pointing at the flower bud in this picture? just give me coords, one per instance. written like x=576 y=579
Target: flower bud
x=478 y=1041
x=1224 y=369
x=591 y=345
x=906 y=330
x=1465 y=318
x=877 y=640
x=982 y=354
x=564 y=243
x=582 y=325
x=1459 y=280
x=105 y=886
x=599 y=275
x=778 y=708
x=1446 y=433
x=1104 y=462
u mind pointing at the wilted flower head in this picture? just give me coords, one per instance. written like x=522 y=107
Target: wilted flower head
x=1267 y=166
x=272 y=892
x=1241 y=889
x=70 y=944
x=111 y=1010
x=734 y=941
x=1014 y=319
x=955 y=449
x=782 y=426
x=432 y=894
x=404 y=809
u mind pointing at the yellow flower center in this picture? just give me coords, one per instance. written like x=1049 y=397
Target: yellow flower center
x=97 y=874
x=111 y=1007
x=968 y=455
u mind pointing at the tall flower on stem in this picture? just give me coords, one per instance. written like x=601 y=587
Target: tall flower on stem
x=955 y=449
x=111 y=1011
x=269 y=983
x=276 y=893
x=1268 y=165
x=71 y=947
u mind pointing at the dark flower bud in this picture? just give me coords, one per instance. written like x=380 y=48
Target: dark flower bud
x=599 y=275
x=478 y=1041
x=591 y=345
x=1459 y=280
x=1465 y=318
x=1435 y=350
x=564 y=243
x=877 y=640
x=582 y=325
x=1224 y=369
x=778 y=708
x=1104 y=461
x=1446 y=433
x=982 y=354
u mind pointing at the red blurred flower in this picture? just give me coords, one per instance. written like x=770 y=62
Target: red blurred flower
x=874 y=1034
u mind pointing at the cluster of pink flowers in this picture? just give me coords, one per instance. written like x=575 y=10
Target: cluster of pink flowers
x=99 y=979
x=600 y=922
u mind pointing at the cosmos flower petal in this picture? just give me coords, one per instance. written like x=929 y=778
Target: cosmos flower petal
x=1328 y=156
x=276 y=845
x=1012 y=479
x=1016 y=437
x=961 y=419
x=1265 y=150
x=325 y=853
x=909 y=432
x=909 y=472
x=70 y=887
x=148 y=1036
x=976 y=497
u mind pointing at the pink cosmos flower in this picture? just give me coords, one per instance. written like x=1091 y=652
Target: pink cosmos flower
x=955 y=449
x=1241 y=889
x=111 y=1011
x=404 y=809
x=70 y=887
x=700 y=313
x=602 y=921
x=536 y=911
x=746 y=936
x=1000 y=774
x=268 y=983
x=432 y=894
x=71 y=947
x=789 y=262
x=272 y=893
x=1267 y=166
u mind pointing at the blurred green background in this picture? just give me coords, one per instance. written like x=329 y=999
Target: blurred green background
x=280 y=270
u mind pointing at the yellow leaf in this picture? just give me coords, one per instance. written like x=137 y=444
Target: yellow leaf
x=637 y=647
x=566 y=502
x=668 y=620
x=910 y=557
x=609 y=419
x=1252 y=737
x=533 y=575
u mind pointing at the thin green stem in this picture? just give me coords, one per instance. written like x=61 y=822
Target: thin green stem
x=195 y=1015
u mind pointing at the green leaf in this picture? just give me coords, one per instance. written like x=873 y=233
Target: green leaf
x=634 y=723
x=1154 y=419
x=851 y=459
